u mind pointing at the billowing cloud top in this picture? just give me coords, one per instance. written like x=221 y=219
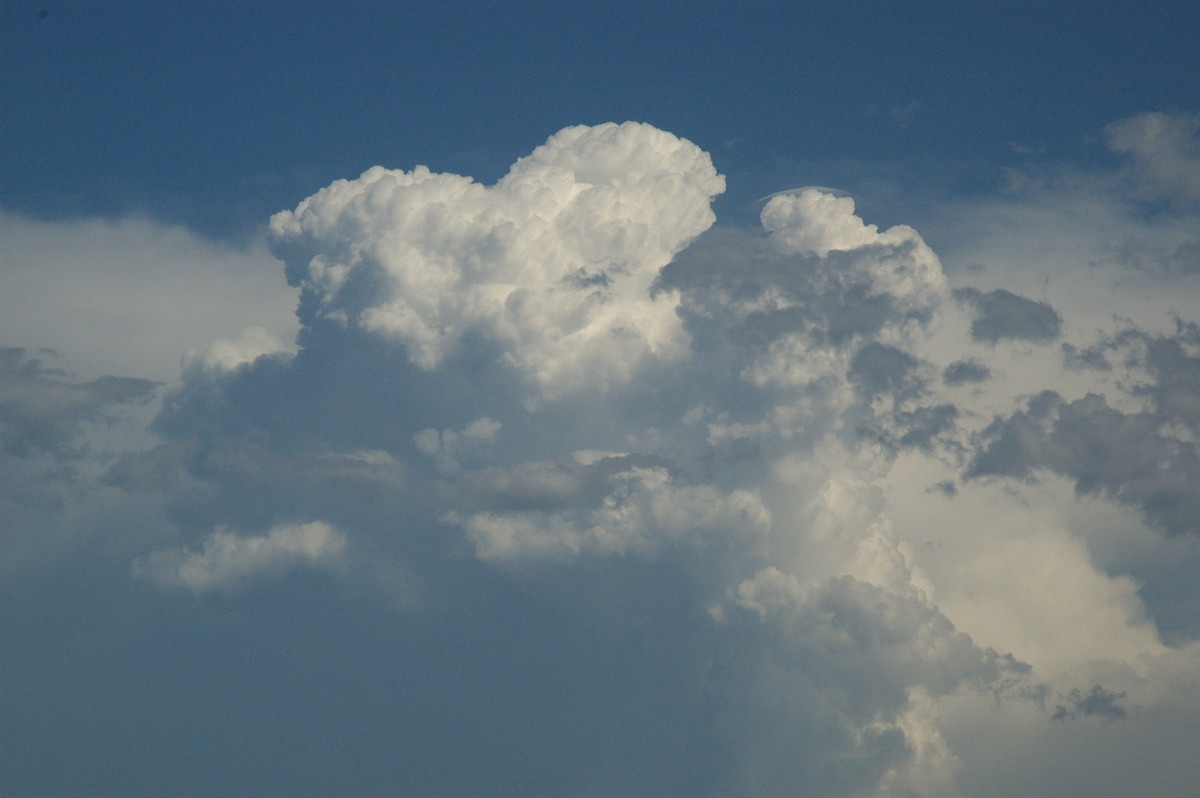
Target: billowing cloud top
x=552 y=265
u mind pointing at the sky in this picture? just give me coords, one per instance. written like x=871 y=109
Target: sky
x=481 y=399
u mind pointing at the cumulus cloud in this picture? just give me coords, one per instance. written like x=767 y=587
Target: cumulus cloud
x=551 y=265
x=796 y=509
x=641 y=512
x=227 y=562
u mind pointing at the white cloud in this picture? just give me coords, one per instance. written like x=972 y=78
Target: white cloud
x=552 y=265
x=132 y=296
x=449 y=446
x=228 y=563
x=842 y=528
x=1010 y=748
x=227 y=354
x=819 y=223
x=641 y=512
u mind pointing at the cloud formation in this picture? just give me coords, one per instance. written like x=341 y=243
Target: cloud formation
x=1164 y=150
x=1002 y=314
x=552 y=265
x=623 y=502
x=39 y=410
x=228 y=562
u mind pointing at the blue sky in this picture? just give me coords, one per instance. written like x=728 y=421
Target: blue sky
x=219 y=114
x=487 y=399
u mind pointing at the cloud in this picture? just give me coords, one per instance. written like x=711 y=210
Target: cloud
x=1147 y=458
x=827 y=690
x=641 y=512
x=228 y=563
x=449 y=445
x=620 y=501
x=41 y=411
x=965 y=371
x=132 y=295
x=565 y=403
x=550 y=266
x=1165 y=150
x=1097 y=702
x=1001 y=314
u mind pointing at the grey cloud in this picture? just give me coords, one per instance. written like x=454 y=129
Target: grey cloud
x=878 y=369
x=1014 y=445
x=738 y=285
x=922 y=425
x=241 y=484
x=1125 y=455
x=1096 y=702
x=41 y=411
x=1183 y=259
x=1174 y=367
x=961 y=372
x=946 y=487
x=1001 y=314
x=1091 y=357
x=830 y=672
x=774 y=315
x=544 y=485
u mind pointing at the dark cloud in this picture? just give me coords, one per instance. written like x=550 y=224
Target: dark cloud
x=878 y=369
x=1096 y=702
x=1091 y=357
x=924 y=424
x=961 y=372
x=1125 y=455
x=738 y=284
x=946 y=487
x=1133 y=457
x=1002 y=315
x=1183 y=259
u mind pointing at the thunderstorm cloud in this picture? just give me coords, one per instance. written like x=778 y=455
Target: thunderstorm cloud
x=565 y=488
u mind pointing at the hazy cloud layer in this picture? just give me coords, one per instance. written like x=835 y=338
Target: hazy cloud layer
x=42 y=411
x=1164 y=151
x=565 y=490
x=130 y=296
